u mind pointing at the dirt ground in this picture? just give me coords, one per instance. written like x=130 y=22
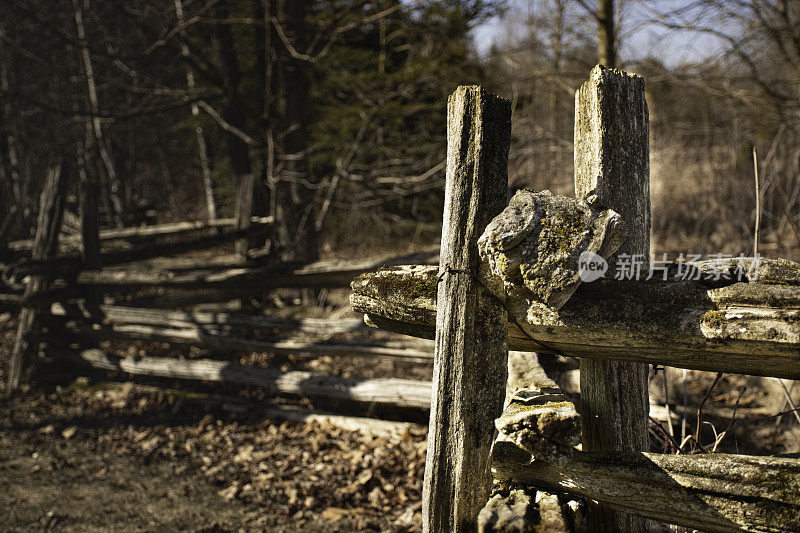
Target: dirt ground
x=133 y=459
x=89 y=454
x=125 y=456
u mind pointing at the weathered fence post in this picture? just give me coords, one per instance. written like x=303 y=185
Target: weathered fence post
x=612 y=162
x=243 y=213
x=90 y=235
x=469 y=377
x=51 y=211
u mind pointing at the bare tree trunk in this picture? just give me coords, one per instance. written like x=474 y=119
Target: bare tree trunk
x=267 y=86
x=233 y=113
x=6 y=196
x=205 y=166
x=9 y=150
x=101 y=140
x=606 y=34
x=208 y=187
x=243 y=210
x=295 y=198
x=382 y=56
x=555 y=90
x=88 y=190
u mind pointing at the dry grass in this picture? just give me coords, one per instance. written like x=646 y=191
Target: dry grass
x=704 y=201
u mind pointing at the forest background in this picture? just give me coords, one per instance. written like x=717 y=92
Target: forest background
x=337 y=109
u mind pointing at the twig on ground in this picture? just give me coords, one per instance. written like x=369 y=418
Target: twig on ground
x=763 y=418
x=666 y=401
x=667 y=438
x=784 y=404
x=700 y=410
x=733 y=419
x=685 y=409
x=789 y=400
x=758 y=202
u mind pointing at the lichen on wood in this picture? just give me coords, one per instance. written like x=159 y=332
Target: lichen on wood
x=612 y=164
x=541 y=421
x=510 y=511
x=523 y=509
x=747 y=328
x=403 y=284
x=711 y=492
x=612 y=167
x=525 y=371
x=534 y=245
x=470 y=362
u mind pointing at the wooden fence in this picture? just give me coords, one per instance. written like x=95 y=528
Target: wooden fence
x=126 y=285
x=614 y=327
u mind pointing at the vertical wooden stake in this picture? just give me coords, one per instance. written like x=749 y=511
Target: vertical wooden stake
x=470 y=365
x=612 y=163
x=244 y=210
x=45 y=246
x=90 y=235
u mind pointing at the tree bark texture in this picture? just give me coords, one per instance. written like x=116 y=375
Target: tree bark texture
x=295 y=209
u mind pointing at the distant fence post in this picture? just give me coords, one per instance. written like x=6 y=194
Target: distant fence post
x=612 y=162
x=90 y=235
x=470 y=365
x=243 y=213
x=45 y=245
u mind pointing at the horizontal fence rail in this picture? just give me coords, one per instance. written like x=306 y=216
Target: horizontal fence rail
x=112 y=314
x=225 y=343
x=135 y=257
x=387 y=391
x=319 y=274
x=747 y=328
x=140 y=233
x=711 y=492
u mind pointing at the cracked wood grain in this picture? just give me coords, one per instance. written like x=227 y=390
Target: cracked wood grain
x=469 y=376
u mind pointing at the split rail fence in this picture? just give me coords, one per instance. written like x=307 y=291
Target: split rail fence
x=615 y=327
x=131 y=284
x=125 y=285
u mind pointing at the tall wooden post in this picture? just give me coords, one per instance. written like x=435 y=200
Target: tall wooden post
x=470 y=365
x=612 y=163
x=45 y=245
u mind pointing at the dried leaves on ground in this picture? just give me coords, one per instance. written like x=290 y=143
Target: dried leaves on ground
x=156 y=458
